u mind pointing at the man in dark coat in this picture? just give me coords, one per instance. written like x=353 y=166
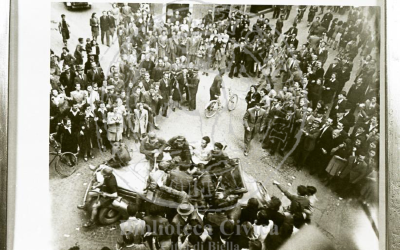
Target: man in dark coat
x=307 y=143
x=353 y=173
x=321 y=155
x=111 y=26
x=278 y=27
x=67 y=80
x=68 y=139
x=95 y=75
x=165 y=88
x=356 y=94
x=104 y=27
x=81 y=78
x=193 y=86
x=326 y=19
x=238 y=61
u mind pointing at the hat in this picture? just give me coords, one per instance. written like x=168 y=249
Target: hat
x=66 y=67
x=79 y=68
x=110 y=87
x=107 y=170
x=180 y=138
x=151 y=135
x=185 y=209
x=218 y=145
x=65 y=48
x=220 y=189
x=317 y=121
x=196 y=69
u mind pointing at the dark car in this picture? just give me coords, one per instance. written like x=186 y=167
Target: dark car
x=78 y=5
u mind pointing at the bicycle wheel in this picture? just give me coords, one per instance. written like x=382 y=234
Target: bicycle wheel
x=211 y=108
x=232 y=102
x=66 y=164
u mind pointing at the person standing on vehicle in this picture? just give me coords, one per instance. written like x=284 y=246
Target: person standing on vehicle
x=107 y=190
x=63 y=28
x=153 y=147
x=254 y=122
x=215 y=90
x=104 y=28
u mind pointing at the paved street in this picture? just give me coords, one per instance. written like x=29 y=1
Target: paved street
x=342 y=221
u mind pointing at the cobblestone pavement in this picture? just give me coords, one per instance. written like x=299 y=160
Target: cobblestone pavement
x=342 y=221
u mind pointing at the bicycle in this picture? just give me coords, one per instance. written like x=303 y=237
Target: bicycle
x=65 y=163
x=215 y=105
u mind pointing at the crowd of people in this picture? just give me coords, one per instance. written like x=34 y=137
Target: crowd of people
x=332 y=132
x=300 y=106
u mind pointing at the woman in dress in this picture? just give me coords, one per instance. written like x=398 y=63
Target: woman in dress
x=94 y=23
x=162 y=44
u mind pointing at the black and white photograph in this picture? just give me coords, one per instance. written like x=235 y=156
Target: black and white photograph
x=191 y=125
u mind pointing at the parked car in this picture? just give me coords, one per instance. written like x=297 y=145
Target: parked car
x=135 y=179
x=78 y=5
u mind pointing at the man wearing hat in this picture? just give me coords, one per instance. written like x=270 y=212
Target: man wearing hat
x=107 y=190
x=81 y=77
x=192 y=87
x=182 y=219
x=153 y=147
x=66 y=57
x=67 y=80
x=95 y=74
x=339 y=105
x=254 y=122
